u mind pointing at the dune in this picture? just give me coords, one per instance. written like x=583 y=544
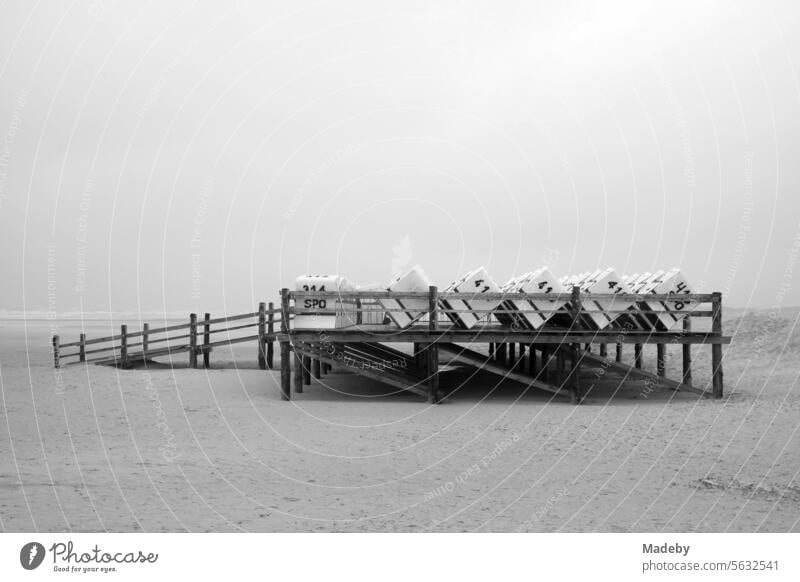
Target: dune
x=168 y=448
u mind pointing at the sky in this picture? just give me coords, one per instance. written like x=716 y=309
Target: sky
x=198 y=156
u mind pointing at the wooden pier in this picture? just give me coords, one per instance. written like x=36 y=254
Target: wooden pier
x=555 y=352
x=549 y=358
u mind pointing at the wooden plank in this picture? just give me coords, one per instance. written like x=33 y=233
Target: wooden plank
x=235 y=340
x=485 y=334
x=234 y=317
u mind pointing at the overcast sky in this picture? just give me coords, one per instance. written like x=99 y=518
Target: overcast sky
x=199 y=156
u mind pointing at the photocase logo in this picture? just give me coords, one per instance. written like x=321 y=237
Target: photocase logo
x=31 y=555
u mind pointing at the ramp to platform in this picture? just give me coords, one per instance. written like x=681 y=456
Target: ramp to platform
x=482 y=362
x=634 y=372
x=371 y=360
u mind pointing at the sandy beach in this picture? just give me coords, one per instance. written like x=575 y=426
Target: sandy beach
x=94 y=448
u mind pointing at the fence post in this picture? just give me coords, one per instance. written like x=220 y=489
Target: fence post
x=123 y=346
x=285 y=372
x=193 y=340
x=56 y=352
x=262 y=335
x=82 y=353
x=687 y=353
x=433 y=347
x=145 y=335
x=207 y=341
x=270 y=334
x=661 y=359
x=716 y=349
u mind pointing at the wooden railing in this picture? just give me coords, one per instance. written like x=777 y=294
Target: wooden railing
x=195 y=337
x=570 y=311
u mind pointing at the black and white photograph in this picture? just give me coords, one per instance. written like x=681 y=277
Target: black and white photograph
x=373 y=267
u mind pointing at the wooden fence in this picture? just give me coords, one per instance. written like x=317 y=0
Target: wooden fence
x=195 y=337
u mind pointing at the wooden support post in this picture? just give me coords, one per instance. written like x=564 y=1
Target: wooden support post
x=262 y=335
x=307 y=370
x=687 y=353
x=716 y=349
x=145 y=339
x=637 y=356
x=619 y=352
x=575 y=375
x=82 y=353
x=533 y=367
x=511 y=353
x=193 y=340
x=317 y=368
x=603 y=350
x=560 y=365
x=433 y=347
x=297 y=361
x=501 y=353
x=491 y=350
x=286 y=379
x=545 y=361
x=661 y=360
x=207 y=341
x=56 y=352
x=270 y=334
x=123 y=346
x=576 y=304
x=522 y=356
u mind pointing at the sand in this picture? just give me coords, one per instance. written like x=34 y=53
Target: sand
x=93 y=448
